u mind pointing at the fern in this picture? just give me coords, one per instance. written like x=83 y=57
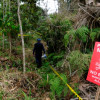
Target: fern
x=51 y=76
x=59 y=90
x=59 y=63
x=64 y=77
x=54 y=85
x=58 y=87
x=82 y=33
x=93 y=35
x=79 y=61
x=58 y=57
x=70 y=34
x=97 y=30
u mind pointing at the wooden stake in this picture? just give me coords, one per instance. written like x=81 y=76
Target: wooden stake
x=97 y=93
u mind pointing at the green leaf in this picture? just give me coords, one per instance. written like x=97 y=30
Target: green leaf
x=93 y=35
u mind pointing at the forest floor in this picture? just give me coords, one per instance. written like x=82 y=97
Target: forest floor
x=14 y=85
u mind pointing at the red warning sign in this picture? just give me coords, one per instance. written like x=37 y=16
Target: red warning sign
x=94 y=70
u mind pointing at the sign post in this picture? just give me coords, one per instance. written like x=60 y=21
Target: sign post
x=94 y=70
x=97 y=94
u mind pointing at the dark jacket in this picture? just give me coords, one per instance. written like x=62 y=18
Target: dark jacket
x=38 y=48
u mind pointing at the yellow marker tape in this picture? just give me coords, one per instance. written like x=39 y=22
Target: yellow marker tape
x=65 y=83
x=38 y=33
x=23 y=35
x=0 y=34
x=31 y=35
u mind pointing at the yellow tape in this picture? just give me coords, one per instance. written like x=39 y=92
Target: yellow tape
x=38 y=33
x=23 y=35
x=65 y=83
x=0 y=33
x=31 y=35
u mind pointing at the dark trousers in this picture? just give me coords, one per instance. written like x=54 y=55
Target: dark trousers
x=38 y=61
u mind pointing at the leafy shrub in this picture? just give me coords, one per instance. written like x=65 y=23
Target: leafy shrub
x=59 y=63
x=69 y=37
x=95 y=34
x=53 y=31
x=79 y=61
x=57 y=87
x=50 y=81
x=56 y=58
x=81 y=34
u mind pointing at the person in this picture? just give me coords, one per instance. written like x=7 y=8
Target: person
x=37 y=52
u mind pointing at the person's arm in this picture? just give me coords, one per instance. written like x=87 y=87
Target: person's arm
x=34 y=49
x=43 y=49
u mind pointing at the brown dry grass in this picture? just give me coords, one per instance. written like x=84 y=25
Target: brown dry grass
x=12 y=82
x=87 y=16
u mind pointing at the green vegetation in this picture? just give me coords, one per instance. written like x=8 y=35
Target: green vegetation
x=68 y=50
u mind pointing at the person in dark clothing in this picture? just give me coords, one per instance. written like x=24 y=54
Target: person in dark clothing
x=37 y=51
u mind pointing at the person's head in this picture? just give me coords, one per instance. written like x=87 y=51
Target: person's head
x=38 y=40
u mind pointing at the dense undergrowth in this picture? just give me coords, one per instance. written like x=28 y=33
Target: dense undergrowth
x=68 y=51
x=49 y=82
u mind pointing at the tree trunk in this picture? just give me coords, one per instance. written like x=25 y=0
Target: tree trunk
x=9 y=6
x=6 y=3
x=10 y=44
x=10 y=36
x=3 y=18
x=3 y=41
x=3 y=9
x=21 y=32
